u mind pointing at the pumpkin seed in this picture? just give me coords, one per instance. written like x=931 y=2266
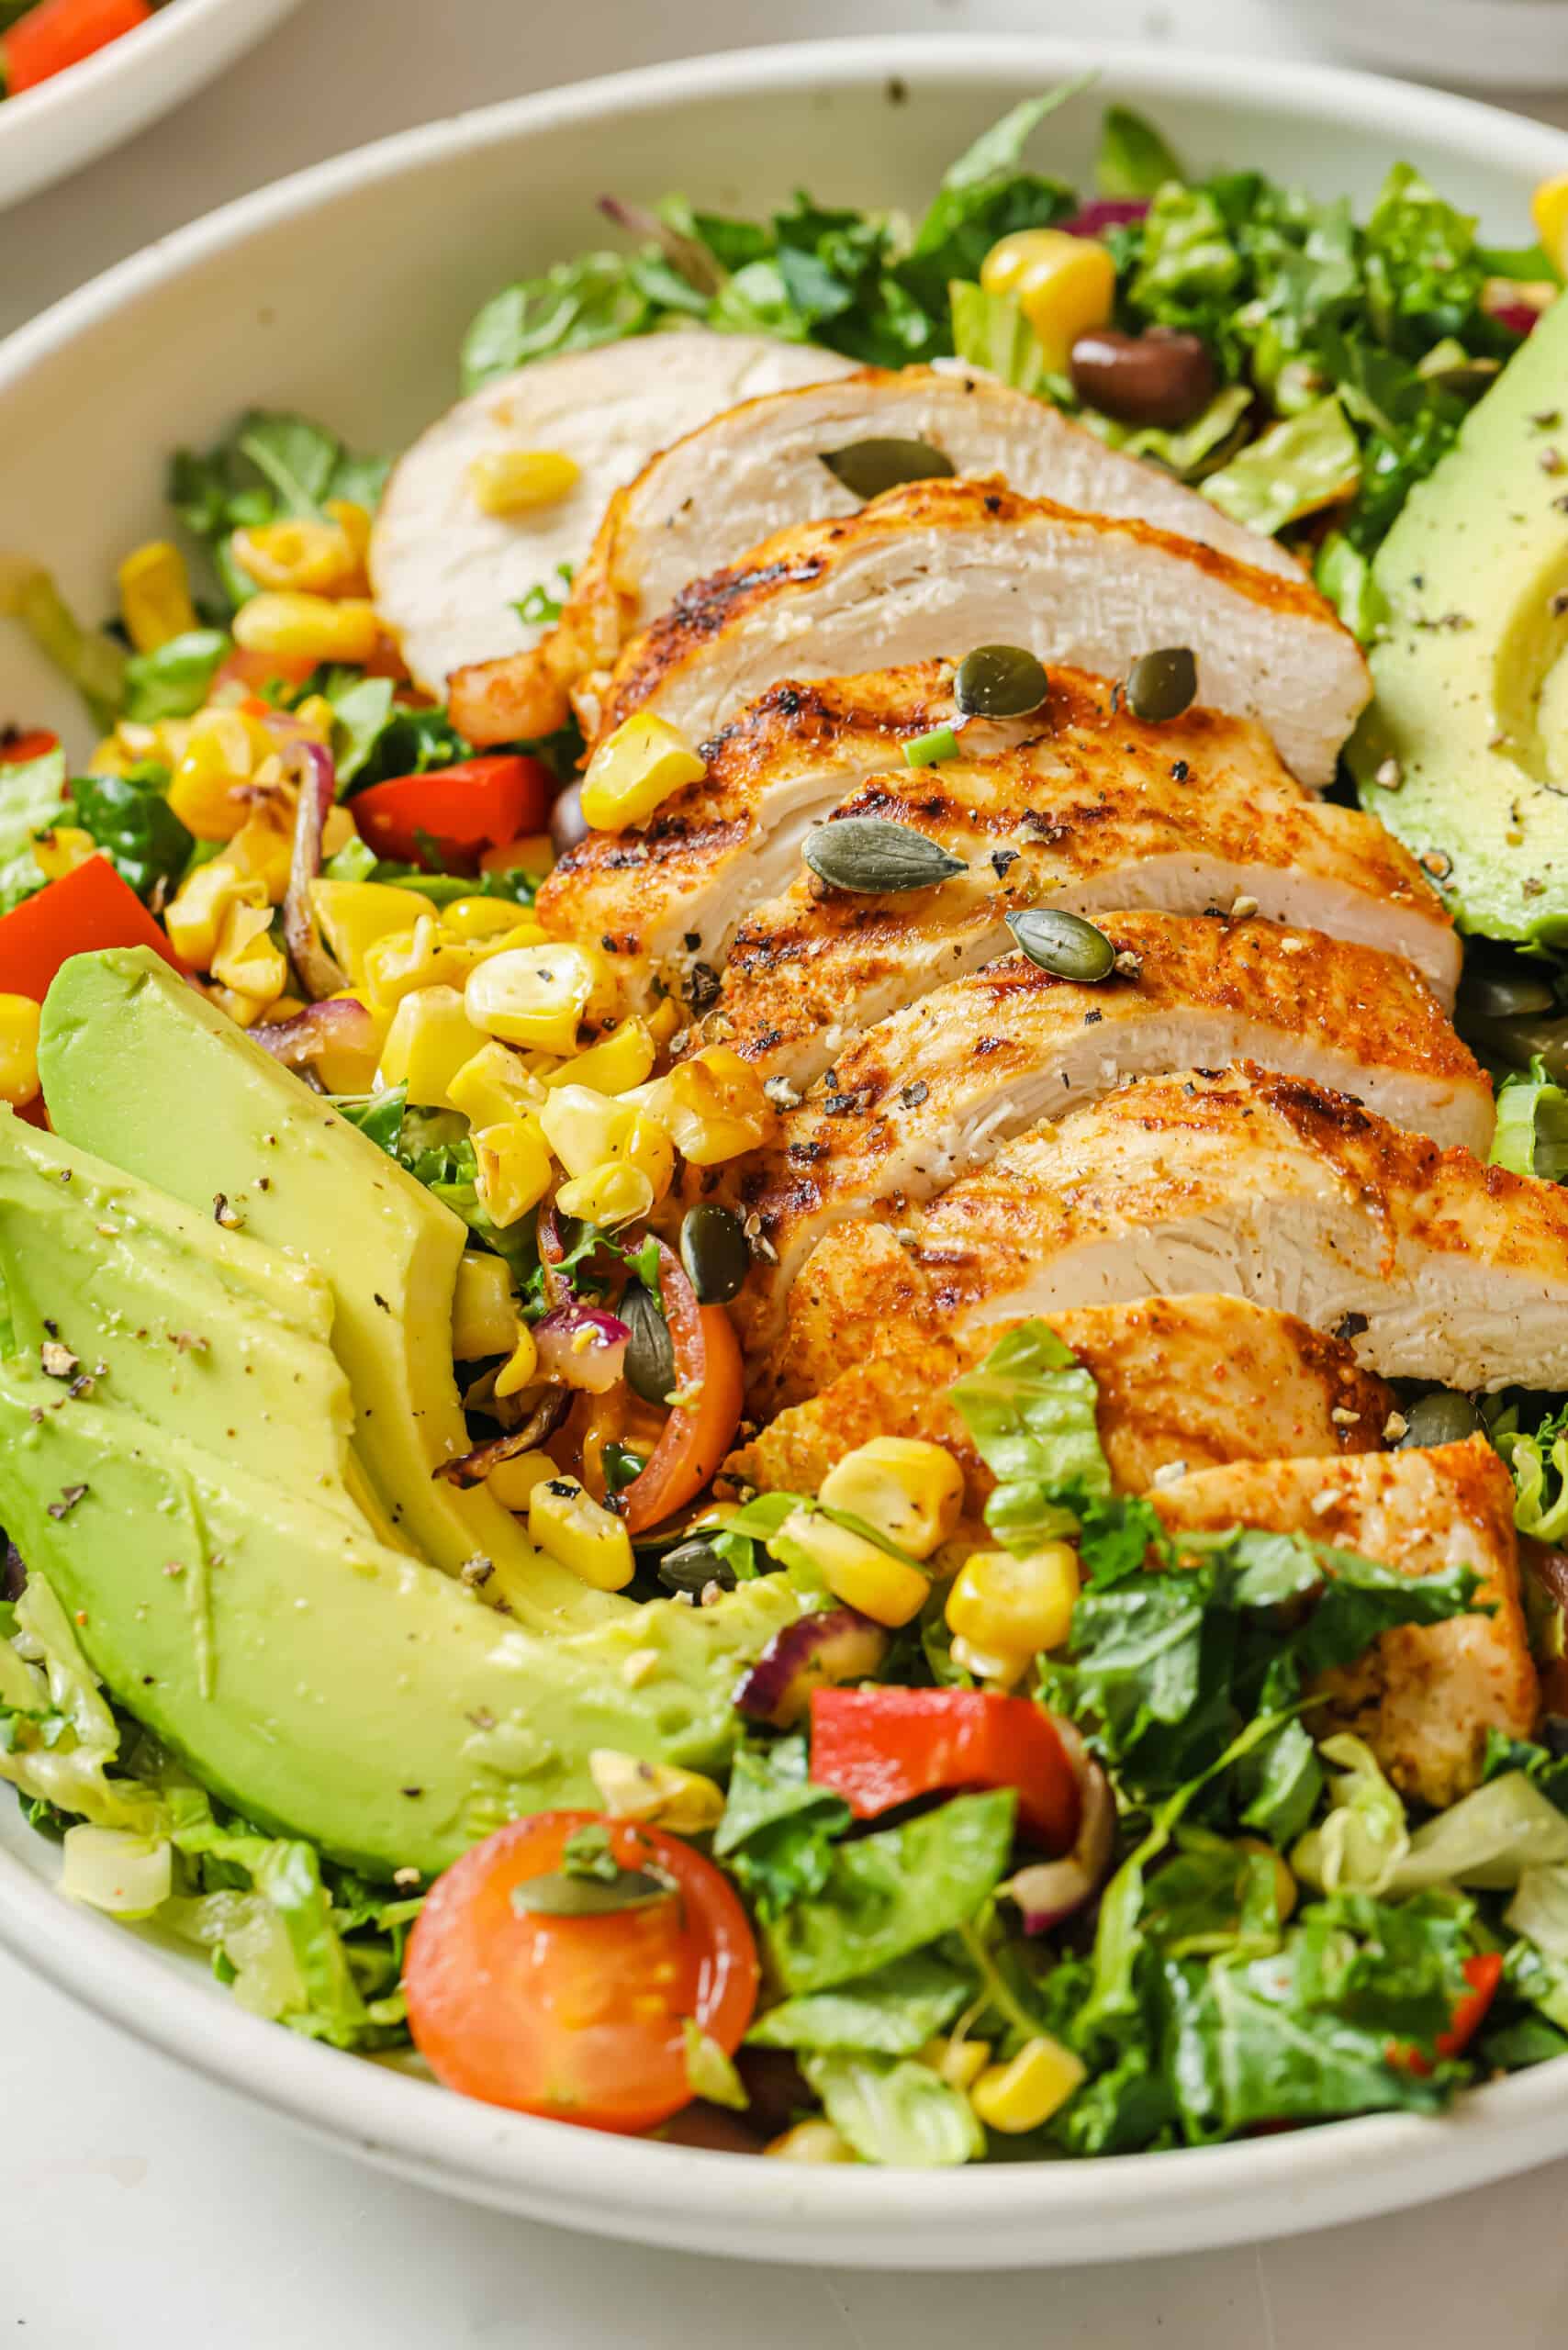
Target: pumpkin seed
x=1520 y=1041
x=1441 y=1416
x=872 y=854
x=866 y=468
x=557 y=1895
x=1000 y=681
x=1162 y=685
x=692 y=1566
x=650 y=1354
x=714 y=1251
x=1063 y=944
x=1502 y=992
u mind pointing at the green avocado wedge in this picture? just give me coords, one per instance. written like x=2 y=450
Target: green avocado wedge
x=1468 y=730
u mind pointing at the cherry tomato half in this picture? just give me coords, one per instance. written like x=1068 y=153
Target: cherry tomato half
x=698 y=1434
x=576 y=2018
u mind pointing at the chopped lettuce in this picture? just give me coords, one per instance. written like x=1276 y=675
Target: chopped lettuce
x=129 y=817
x=87 y=658
x=272 y=464
x=1538 y=1460
x=893 y=2110
x=990 y=331
x=778 y=1832
x=890 y=2013
x=1134 y=159
x=1030 y=1409
x=175 y=678
x=1531 y=1133
x=1307 y=461
x=30 y=795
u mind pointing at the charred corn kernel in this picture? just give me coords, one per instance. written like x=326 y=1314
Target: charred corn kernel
x=582 y=1127
x=713 y=1106
x=479 y=917
x=247 y=961
x=155 y=594
x=195 y=915
x=612 y=1195
x=578 y=1533
x=520 y=1368
x=515 y=481
x=961 y=2063
x=1063 y=284
x=634 y=769
x=1026 y=2092
x=427 y=1043
x=1007 y=1610
x=354 y=914
x=614 y=1064
x=494 y=1086
x=812 y=2141
x=512 y=1481
x=1285 y=1882
x=308 y=628
x=645 y=1146
x=855 y=1571
x=62 y=849
x=907 y=1489
x=484 y=1307
x=423 y=957
x=220 y=754
x=18 y=1050
x=666 y=1017
x=658 y=1795
x=514 y=1170
x=1549 y=209
x=301 y=554
x=529 y=853
x=536 y=995
x=262 y=850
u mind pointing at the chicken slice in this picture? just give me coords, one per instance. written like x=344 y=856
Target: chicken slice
x=938 y=567
x=1258 y=1185
x=1185 y=1383
x=1425 y=1695
x=447 y=576
x=936 y=1089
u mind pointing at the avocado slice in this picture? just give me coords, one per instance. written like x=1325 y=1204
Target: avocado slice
x=139 y=1068
x=1472 y=670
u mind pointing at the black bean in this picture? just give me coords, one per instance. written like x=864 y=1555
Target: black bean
x=1000 y=681
x=714 y=1251
x=1063 y=944
x=1162 y=685
x=1161 y=378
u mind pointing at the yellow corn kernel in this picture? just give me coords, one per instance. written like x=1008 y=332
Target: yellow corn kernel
x=645 y=1146
x=578 y=1533
x=62 y=849
x=479 y=917
x=514 y=1170
x=656 y=1795
x=634 y=769
x=221 y=753
x=1549 y=209
x=350 y=1068
x=812 y=2141
x=612 y=1195
x=907 y=1489
x=1064 y=285
x=354 y=914
x=512 y=1481
x=243 y=1010
x=247 y=960
x=515 y=481
x=427 y=1043
x=496 y=1085
x=520 y=1368
x=155 y=594
x=665 y=1019
x=1284 y=1881
x=315 y=715
x=195 y=915
x=536 y=995
x=713 y=1106
x=529 y=853
x=263 y=850
x=854 y=1569
x=18 y=1050
x=1025 y=2093
x=614 y=1064
x=484 y=1307
x=308 y=628
x=423 y=957
x=301 y=554
x=582 y=1127
x=1006 y=1610
x=960 y=2063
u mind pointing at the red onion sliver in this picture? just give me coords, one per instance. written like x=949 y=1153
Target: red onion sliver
x=581 y=1346
x=1106 y=212
x=318 y=974
x=300 y=1040
x=1048 y=1891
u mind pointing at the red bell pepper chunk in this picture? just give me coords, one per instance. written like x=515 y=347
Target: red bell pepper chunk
x=59 y=33
x=465 y=810
x=881 y=1747
x=1483 y=1973
x=15 y=750
x=89 y=908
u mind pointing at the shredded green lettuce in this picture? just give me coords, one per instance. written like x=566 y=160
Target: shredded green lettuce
x=1305 y=462
x=894 y=2110
x=1030 y=1409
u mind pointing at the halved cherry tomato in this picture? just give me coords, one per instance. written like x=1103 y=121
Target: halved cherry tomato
x=89 y=908
x=697 y=1435
x=59 y=33
x=1483 y=1973
x=464 y=809
x=579 y=2019
x=15 y=750
x=881 y=1747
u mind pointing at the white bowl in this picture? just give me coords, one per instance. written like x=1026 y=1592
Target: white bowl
x=344 y=292
x=80 y=114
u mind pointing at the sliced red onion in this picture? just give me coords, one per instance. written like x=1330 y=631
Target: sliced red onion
x=581 y=1346
x=318 y=975
x=1106 y=212
x=1048 y=1891
x=839 y=1644
x=302 y=1039
x=685 y=255
x=557 y=1288
x=1516 y=318
x=472 y=1468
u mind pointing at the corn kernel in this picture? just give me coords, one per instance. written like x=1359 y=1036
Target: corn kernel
x=495 y=1086
x=484 y=1307
x=1026 y=2092
x=350 y=1068
x=429 y=1041
x=1549 y=209
x=512 y=1481
x=243 y=1010
x=195 y=915
x=579 y=1533
x=1064 y=285
x=1006 y=1610
x=18 y=1050
x=812 y=2141
x=907 y=1489
x=62 y=849
x=247 y=959
x=612 y=1195
x=308 y=628
x=657 y=1795
x=155 y=594
x=536 y=995
x=634 y=769
x=713 y=1106
x=315 y=715
x=422 y=957
x=301 y=554
x=514 y=1171
x=515 y=481
x=960 y=2063
x=582 y=1128
x=520 y=1368
x=354 y=914
x=854 y=1569
x=221 y=753
x=479 y=917
x=529 y=853
x=614 y=1064
x=645 y=1146
x=263 y=850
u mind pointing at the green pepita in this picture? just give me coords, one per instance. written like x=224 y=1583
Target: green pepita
x=692 y=1566
x=866 y=468
x=558 y=1895
x=650 y=1355
x=1162 y=685
x=1503 y=990
x=714 y=1251
x=1442 y=1416
x=1063 y=944
x=874 y=855
x=1000 y=681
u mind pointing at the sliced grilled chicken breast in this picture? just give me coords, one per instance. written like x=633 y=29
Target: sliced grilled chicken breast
x=936 y=1089
x=1258 y=1185
x=447 y=574
x=934 y=569
x=1185 y=1383
x=1424 y=1696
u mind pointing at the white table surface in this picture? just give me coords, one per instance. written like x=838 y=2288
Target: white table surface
x=139 y=2206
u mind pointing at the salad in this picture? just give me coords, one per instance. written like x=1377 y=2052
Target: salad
x=38 y=38
x=784 y=1354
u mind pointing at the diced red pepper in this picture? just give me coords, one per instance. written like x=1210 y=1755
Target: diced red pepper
x=59 y=33
x=89 y=908
x=1483 y=1973
x=465 y=810
x=881 y=1747
x=15 y=750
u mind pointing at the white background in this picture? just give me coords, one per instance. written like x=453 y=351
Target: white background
x=138 y=2206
